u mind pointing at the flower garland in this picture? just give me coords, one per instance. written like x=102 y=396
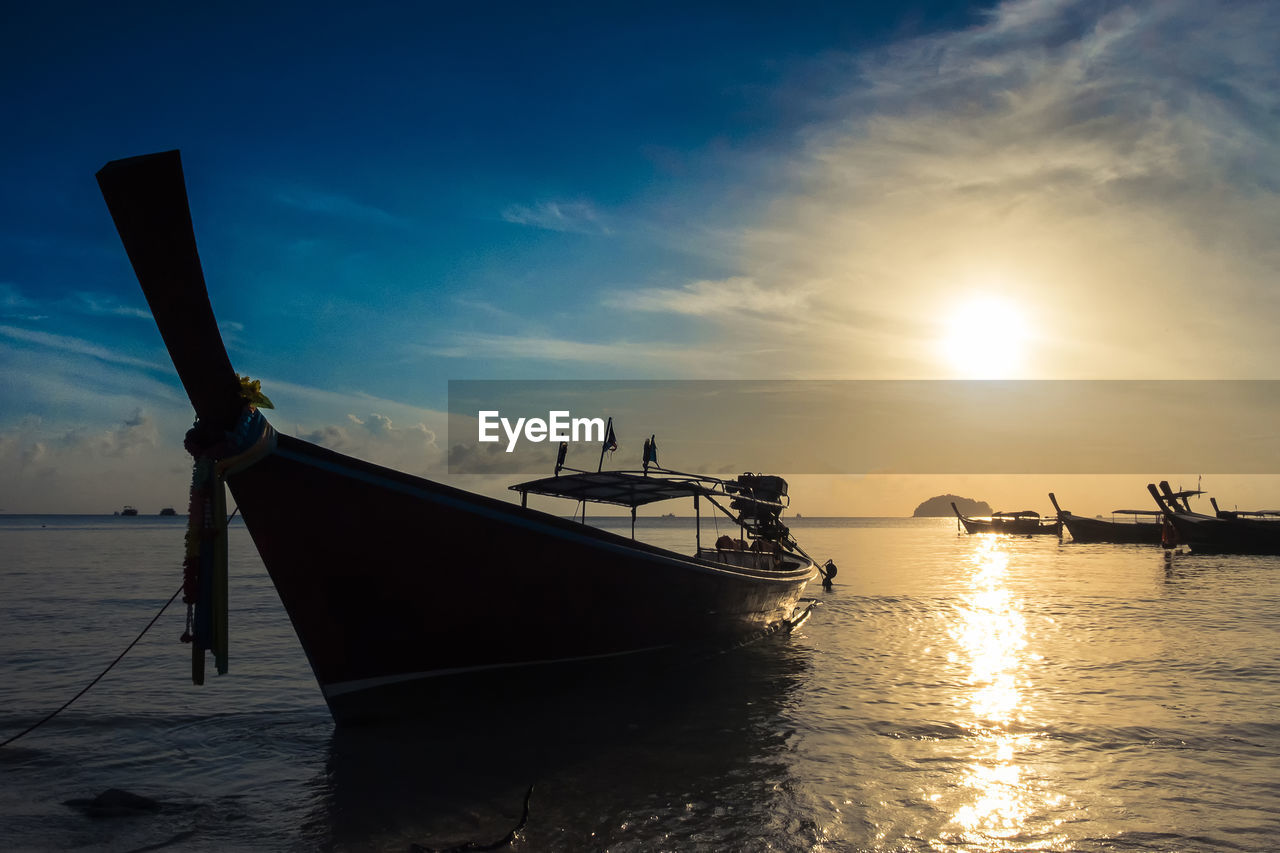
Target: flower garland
x=204 y=567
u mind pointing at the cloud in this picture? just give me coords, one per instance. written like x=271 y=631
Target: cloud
x=98 y=304
x=325 y=405
x=375 y=438
x=76 y=346
x=47 y=467
x=734 y=296
x=641 y=358
x=488 y=309
x=136 y=435
x=1094 y=164
x=32 y=455
x=470 y=459
x=1097 y=165
x=336 y=205
x=15 y=306
x=577 y=217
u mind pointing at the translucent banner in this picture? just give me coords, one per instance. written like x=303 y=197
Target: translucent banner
x=869 y=426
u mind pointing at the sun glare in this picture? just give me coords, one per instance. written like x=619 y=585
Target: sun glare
x=984 y=339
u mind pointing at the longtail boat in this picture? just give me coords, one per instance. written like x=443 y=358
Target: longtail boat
x=406 y=592
x=1135 y=526
x=1224 y=532
x=1025 y=522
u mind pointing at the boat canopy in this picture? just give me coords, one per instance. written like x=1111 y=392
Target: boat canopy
x=1185 y=493
x=1024 y=513
x=623 y=488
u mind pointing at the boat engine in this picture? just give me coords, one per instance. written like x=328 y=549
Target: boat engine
x=759 y=500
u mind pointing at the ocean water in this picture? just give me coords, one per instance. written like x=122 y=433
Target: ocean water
x=950 y=693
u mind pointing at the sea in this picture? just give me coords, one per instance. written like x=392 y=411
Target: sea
x=948 y=693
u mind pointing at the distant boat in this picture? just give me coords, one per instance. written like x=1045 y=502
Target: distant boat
x=1224 y=532
x=1143 y=528
x=409 y=594
x=1022 y=523
x=168 y=511
x=128 y=510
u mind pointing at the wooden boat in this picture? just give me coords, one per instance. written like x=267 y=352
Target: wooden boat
x=1022 y=523
x=406 y=592
x=1224 y=532
x=1142 y=527
x=1243 y=513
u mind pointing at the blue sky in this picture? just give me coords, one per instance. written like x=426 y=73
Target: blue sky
x=389 y=197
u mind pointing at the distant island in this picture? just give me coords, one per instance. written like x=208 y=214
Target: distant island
x=940 y=506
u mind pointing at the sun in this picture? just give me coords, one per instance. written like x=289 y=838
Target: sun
x=984 y=338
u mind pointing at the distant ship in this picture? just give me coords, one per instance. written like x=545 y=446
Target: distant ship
x=168 y=511
x=128 y=511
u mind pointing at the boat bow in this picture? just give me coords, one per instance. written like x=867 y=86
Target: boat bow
x=380 y=571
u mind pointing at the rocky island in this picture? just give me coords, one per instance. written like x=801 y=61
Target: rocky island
x=940 y=506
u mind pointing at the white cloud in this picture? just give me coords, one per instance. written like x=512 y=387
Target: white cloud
x=333 y=204
x=95 y=303
x=375 y=438
x=734 y=296
x=15 y=305
x=642 y=359
x=76 y=346
x=1103 y=167
x=12 y=300
x=46 y=467
x=578 y=217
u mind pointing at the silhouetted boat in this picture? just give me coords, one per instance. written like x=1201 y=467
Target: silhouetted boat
x=168 y=511
x=405 y=592
x=128 y=510
x=1143 y=528
x=1224 y=532
x=1022 y=523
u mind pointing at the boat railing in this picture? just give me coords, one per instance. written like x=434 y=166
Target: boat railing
x=741 y=559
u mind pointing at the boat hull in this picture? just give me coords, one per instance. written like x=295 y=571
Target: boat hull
x=1116 y=532
x=404 y=591
x=391 y=581
x=1010 y=526
x=1206 y=534
x=1013 y=527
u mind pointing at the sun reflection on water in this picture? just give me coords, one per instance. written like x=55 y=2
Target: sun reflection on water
x=1003 y=806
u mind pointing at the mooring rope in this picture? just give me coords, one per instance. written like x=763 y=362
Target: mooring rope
x=110 y=666
x=470 y=846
